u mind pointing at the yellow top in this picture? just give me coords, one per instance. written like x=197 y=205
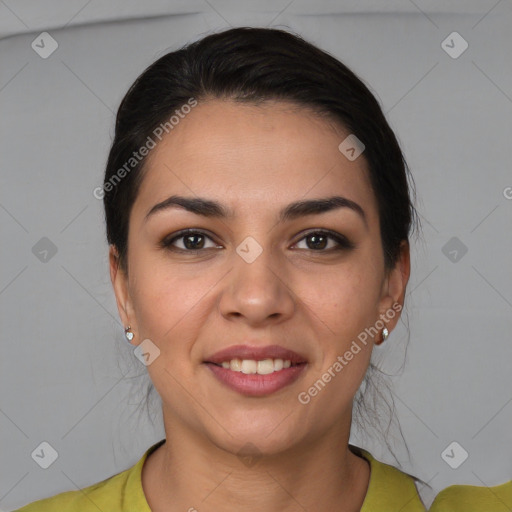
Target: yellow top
x=469 y=498
x=389 y=490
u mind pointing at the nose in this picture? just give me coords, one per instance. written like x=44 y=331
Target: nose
x=257 y=293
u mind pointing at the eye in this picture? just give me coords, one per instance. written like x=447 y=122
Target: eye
x=318 y=241
x=190 y=240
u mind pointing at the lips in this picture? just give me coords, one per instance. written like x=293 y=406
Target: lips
x=255 y=353
x=256 y=371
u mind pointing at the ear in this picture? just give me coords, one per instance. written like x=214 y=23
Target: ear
x=120 y=284
x=394 y=286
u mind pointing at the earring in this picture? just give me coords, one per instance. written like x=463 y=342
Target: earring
x=128 y=333
x=385 y=334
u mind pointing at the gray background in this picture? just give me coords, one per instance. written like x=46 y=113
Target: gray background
x=63 y=354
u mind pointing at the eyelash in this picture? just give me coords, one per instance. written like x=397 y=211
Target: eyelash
x=341 y=240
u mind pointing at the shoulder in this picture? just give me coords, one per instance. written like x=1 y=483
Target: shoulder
x=389 y=488
x=86 y=499
x=470 y=498
x=110 y=494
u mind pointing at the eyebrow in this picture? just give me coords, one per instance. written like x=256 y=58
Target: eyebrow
x=213 y=209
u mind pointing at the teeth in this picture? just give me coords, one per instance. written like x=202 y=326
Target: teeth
x=251 y=366
x=235 y=365
x=265 y=367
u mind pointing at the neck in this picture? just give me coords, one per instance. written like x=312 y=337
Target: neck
x=189 y=472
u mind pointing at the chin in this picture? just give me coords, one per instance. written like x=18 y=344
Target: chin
x=257 y=434
x=255 y=445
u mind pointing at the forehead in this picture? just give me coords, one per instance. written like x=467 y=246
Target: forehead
x=253 y=156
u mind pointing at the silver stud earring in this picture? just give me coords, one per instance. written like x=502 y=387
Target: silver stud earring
x=128 y=333
x=385 y=334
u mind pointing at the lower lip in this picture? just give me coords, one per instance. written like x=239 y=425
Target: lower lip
x=255 y=384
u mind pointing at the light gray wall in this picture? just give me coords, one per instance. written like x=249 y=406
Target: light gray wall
x=62 y=351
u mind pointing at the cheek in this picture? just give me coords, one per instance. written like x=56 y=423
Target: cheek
x=167 y=300
x=342 y=305
x=344 y=299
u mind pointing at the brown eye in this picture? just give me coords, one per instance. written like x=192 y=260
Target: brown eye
x=191 y=240
x=318 y=241
x=188 y=241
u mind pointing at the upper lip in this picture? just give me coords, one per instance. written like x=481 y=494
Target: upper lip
x=255 y=353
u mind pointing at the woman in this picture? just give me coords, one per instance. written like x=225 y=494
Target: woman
x=258 y=213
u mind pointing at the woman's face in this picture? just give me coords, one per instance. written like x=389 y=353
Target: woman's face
x=254 y=284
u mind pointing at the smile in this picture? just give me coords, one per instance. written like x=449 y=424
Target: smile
x=256 y=371
x=251 y=366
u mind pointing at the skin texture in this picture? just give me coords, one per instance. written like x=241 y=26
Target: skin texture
x=255 y=159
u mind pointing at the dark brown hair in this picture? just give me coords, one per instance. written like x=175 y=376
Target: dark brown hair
x=253 y=65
